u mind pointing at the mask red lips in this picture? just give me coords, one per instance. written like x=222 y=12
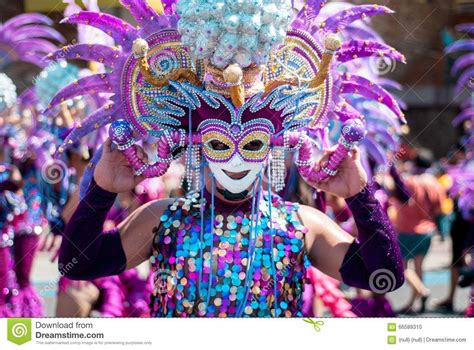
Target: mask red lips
x=236 y=176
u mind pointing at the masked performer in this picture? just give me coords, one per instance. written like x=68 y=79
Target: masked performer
x=233 y=86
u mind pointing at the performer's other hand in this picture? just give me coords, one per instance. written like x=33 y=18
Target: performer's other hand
x=350 y=179
x=113 y=173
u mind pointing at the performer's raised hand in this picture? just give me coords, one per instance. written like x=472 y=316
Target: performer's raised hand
x=350 y=179
x=113 y=172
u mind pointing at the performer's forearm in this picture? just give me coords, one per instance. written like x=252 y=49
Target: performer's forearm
x=375 y=252
x=87 y=252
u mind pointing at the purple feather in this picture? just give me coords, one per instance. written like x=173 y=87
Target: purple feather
x=140 y=10
x=94 y=121
x=374 y=150
x=169 y=6
x=345 y=112
x=383 y=117
x=342 y=19
x=99 y=53
x=364 y=159
x=24 y=19
x=357 y=48
x=35 y=58
x=461 y=45
x=32 y=31
x=463 y=116
x=362 y=31
x=390 y=84
x=89 y=85
x=462 y=63
x=116 y=28
x=354 y=84
x=402 y=104
x=465 y=80
x=384 y=136
x=465 y=28
x=310 y=10
x=36 y=45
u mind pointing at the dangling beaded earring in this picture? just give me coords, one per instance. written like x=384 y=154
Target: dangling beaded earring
x=186 y=172
x=196 y=167
x=278 y=168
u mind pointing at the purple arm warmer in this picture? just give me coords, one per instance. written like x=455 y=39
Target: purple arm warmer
x=86 y=252
x=373 y=261
x=401 y=192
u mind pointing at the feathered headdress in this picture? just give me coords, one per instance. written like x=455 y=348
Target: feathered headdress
x=232 y=61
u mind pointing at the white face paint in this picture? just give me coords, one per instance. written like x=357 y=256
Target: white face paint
x=236 y=165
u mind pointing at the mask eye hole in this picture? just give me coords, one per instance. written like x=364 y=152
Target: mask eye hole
x=217 y=145
x=254 y=145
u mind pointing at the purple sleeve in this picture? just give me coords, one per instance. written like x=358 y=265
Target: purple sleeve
x=86 y=252
x=373 y=260
x=401 y=191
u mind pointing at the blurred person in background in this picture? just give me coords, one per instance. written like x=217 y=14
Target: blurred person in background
x=418 y=202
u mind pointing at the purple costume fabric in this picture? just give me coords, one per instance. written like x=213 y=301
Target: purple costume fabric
x=85 y=250
x=111 y=296
x=137 y=293
x=373 y=261
x=25 y=252
x=376 y=306
x=5 y=262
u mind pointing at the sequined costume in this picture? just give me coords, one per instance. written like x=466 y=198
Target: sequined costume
x=176 y=251
x=190 y=83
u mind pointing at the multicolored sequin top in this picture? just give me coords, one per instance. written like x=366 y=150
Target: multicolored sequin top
x=181 y=286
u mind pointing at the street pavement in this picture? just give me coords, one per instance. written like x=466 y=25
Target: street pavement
x=45 y=277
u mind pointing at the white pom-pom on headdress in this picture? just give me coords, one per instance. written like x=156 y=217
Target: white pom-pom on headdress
x=233 y=31
x=7 y=92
